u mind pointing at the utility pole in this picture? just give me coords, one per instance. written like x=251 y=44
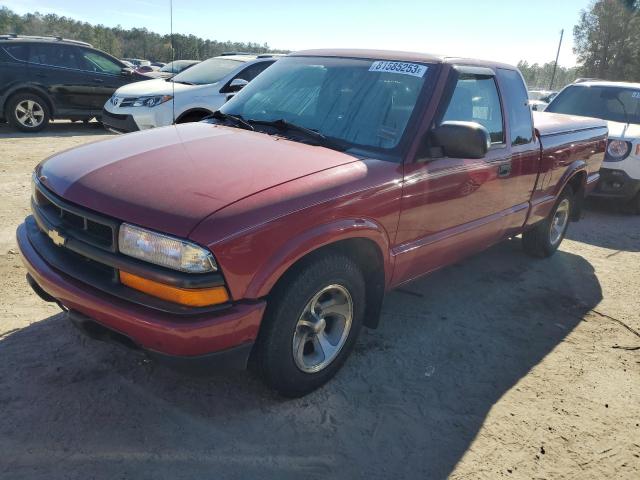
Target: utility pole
x=555 y=65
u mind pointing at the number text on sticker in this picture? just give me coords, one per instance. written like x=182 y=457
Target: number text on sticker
x=414 y=69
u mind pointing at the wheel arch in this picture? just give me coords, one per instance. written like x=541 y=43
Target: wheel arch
x=192 y=111
x=576 y=177
x=366 y=243
x=33 y=89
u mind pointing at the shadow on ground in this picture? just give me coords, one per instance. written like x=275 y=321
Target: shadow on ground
x=408 y=403
x=609 y=226
x=56 y=129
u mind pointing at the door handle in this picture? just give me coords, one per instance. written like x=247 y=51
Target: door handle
x=97 y=80
x=504 y=170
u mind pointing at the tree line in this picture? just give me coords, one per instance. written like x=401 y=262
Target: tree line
x=538 y=77
x=124 y=43
x=606 y=42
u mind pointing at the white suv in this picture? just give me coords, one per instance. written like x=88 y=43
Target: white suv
x=619 y=104
x=188 y=97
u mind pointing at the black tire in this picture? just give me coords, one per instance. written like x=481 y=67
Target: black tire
x=192 y=117
x=539 y=241
x=39 y=114
x=273 y=357
x=635 y=204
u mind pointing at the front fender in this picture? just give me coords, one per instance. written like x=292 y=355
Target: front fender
x=320 y=236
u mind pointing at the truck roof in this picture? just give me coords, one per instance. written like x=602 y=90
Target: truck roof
x=397 y=55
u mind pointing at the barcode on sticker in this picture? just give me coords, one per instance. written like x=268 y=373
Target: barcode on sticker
x=414 y=69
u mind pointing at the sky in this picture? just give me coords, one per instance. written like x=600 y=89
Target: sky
x=506 y=31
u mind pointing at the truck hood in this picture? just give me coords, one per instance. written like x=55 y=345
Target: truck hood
x=624 y=131
x=169 y=179
x=156 y=86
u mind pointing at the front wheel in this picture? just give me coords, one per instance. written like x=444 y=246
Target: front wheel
x=635 y=204
x=544 y=239
x=311 y=325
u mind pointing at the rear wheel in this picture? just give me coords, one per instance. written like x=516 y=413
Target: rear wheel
x=635 y=204
x=28 y=112
x=311 y=325
x=544 y=239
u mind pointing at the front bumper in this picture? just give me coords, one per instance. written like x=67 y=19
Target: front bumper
x=616 y=184
x=118 y=123
x=160 y=333
x=132 y=119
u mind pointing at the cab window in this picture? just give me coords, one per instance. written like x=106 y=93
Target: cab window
x=475 y=99
x=515 y=94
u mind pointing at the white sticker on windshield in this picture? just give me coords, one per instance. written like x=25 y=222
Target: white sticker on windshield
x=635 y=95
x=413 y=69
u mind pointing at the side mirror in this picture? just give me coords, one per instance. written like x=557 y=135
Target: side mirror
x=461 y=139
x=237 y=84
x=126 y=71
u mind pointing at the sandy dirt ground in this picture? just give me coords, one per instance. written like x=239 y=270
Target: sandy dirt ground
x=501 y=366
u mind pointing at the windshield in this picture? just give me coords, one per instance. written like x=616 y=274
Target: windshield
x=177 y=65
x=362 y=102
x=209 y=71
x=617 y=104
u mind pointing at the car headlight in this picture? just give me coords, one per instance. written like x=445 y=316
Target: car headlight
x=618 y=150
x=164 y=250
x=151 y=101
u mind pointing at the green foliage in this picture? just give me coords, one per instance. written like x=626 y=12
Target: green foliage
x=607 y=40
x=121 y=43
x=538 y=77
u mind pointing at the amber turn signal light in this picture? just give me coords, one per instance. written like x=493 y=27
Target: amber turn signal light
x=191 y=297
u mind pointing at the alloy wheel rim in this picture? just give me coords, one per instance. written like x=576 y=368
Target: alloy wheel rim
x=559 y=222
x=323 y=328
x=29 y=113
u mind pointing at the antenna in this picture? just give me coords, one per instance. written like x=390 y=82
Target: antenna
x=173 y=55
x=555 y=65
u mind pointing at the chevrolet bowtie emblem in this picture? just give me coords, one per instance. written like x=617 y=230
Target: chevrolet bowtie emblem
x=56 y=238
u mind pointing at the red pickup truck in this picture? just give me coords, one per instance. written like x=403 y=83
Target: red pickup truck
x=268 y=234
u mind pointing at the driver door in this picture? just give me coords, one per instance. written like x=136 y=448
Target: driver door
x=452 y=207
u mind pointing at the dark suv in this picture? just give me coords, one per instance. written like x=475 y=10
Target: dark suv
x=50 y=77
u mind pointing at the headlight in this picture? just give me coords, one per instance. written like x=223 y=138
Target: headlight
x=618 y=150
x=164 y=250
x=151 y=101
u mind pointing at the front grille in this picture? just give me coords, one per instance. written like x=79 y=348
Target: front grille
x=117 y=116
x=75 y=222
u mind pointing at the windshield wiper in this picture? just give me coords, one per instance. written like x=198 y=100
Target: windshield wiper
x=236 y=119
x=283 y=125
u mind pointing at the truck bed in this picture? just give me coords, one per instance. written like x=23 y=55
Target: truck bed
x=567 y=144
x=547 y=124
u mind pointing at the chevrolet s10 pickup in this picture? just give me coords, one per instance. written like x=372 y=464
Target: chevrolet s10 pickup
x=267 y=235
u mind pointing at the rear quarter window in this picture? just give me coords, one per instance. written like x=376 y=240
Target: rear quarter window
x=17 y=52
